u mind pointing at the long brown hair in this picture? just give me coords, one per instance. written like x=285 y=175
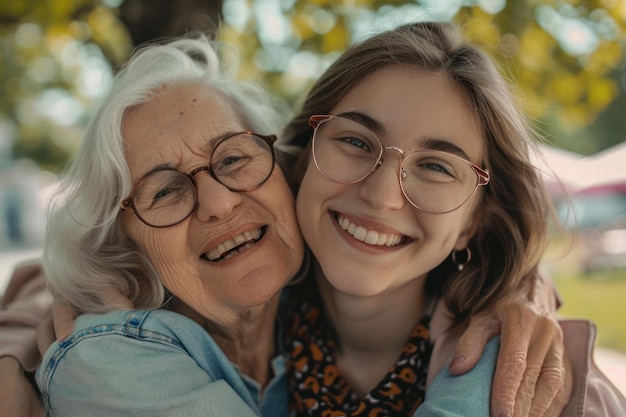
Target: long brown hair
x=514 y=208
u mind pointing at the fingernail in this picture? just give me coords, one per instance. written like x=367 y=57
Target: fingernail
x=457 y=362
x=504 y=415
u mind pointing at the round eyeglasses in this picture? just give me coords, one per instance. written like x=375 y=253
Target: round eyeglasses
x=433 y=181
x=165 y=196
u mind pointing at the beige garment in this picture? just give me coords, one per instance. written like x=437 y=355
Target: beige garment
x=593 y=394
x=25 y=303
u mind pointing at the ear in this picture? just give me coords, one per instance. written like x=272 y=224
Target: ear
x=467 y=234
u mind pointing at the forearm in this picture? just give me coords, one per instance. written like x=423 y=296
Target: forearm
x=465 y=395
x=24 y=305
x=18 y=397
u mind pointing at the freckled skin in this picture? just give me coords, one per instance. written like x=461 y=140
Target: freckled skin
x=175 y=129
x=412 y=105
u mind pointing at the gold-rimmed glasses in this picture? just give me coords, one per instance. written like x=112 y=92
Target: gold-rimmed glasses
x=433 y=181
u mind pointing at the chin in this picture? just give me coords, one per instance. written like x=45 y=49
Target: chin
x=360 y=288
x=259 y=292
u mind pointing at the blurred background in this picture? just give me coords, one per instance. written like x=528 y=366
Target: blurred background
x=566 y=58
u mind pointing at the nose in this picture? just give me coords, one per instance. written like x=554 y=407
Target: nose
x=381 y=189
x=215 y=201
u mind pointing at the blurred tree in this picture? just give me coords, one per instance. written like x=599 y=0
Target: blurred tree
x=58 y=56
x=148 y=20
x=564 y=56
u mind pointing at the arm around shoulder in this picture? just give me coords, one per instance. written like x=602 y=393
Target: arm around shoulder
x=104 y=370
x=464 y=395
x=23 y=306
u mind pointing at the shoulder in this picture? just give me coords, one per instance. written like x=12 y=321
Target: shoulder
x=131 y=332
x=128 y=341
x=97 y=337
x=147 y=361
x=467 y=394
x=146 y=325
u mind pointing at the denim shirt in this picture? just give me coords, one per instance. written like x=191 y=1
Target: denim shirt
x=160 y=363
x=151 y=363
x=465 y=395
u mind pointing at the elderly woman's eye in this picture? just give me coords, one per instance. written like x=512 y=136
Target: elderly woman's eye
x=231 y=160
x=163 y=192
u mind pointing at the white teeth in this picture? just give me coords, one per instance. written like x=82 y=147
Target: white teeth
x=371 y=237
x=230 y=244
x=360 y=233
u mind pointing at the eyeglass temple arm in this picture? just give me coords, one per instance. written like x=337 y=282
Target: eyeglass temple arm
x=483 y=175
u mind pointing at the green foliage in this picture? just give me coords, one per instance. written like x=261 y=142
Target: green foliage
x=565 y=56
x=44 y=93
x=571 y=84
x=600 y=298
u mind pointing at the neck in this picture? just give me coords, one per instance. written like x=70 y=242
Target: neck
x=249 y=342
x=372 y=330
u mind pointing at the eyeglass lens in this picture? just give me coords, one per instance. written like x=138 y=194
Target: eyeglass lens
x=166 y=197
x=433 y=181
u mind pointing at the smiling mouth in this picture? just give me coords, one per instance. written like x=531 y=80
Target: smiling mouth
x=234 y=246
x=371 y=237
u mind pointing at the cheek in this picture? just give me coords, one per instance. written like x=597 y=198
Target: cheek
x=307 y=202
x=279 y=201
x=450 y=230
x=288 y=224
x=164 y=248
x=281 y=204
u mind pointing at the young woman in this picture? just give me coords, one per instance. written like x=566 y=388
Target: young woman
x=421 y=206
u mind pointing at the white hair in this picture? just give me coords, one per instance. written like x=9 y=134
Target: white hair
x=86 y=253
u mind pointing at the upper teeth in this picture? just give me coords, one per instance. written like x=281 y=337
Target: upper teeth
x=224 y=247
x=370 y=237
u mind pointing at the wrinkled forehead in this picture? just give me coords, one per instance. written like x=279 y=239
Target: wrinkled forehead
x=176 y=124
x=171 y=105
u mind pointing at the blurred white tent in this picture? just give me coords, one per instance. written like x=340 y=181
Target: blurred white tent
x=576 y=173
x=606 y=168
x=560 y=168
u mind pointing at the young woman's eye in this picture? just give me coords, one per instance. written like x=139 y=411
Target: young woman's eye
x=436 y=167
x=356 y=142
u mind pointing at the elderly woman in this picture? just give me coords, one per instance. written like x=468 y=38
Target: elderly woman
x=175 y=202
x=174 y=196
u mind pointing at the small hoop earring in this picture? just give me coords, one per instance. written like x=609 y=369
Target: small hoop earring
x=468 y=257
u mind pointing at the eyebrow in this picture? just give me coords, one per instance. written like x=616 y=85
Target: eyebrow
x=363 y=119
x=443 y=145
x=431 y=143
